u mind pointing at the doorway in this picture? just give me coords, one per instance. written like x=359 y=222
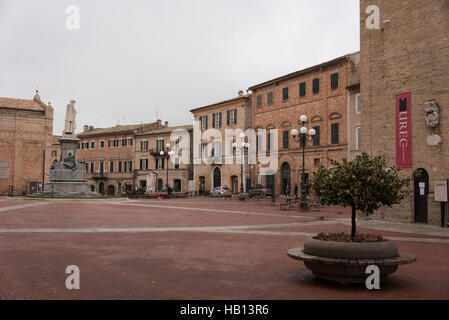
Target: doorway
x=217 y=177
x=421 y=192
x=177 y=185
x=234 y=184
x=111 y=190
x=286 y=177
x=101 y=188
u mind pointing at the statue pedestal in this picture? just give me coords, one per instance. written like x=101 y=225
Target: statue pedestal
x=68 y=176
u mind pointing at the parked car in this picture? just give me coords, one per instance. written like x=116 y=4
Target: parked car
x=261 y=190
x=221 y=192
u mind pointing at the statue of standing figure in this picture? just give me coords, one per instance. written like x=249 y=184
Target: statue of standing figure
x=70 y=115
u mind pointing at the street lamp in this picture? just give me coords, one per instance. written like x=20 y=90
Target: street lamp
x=166 y=155
x=242 y=168
x=303 y=136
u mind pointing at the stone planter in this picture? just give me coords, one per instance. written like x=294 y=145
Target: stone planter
x=346 y=262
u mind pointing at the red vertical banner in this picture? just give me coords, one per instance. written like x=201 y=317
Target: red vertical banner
x=404 y=130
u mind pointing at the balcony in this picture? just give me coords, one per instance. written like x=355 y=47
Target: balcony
x=155 y=152
x=99 y=176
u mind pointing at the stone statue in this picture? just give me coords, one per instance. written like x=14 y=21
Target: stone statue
x=70 y=115
x=432 y=113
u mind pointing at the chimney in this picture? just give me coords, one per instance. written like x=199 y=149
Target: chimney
x=240 y=93
x=159 y=123
x=166 y=124
x=91 y=127
x=85 y=128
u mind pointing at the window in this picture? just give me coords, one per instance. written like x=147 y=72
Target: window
x=334 y=81
x=216 y=120
x=203 y=123
x=92 y=167
x=130 y=141
x=129 y=166
x=160 y=145
x=54 y=153
x=144 y=145
x=101 y=166
x=259 y=101
x=358 y=103
x=176 y=163
x=285 y=137
x=92 y=144
x=335 y=139
x=316 y=162
x=316 y=137
x=143 y=164
x=119 y=166
x=316 y=85
x=102 y=144
x=302 y=89
x=85 y=145
x=285 y=94
x=111 y=166
x=270 y=98
x=159 y=163
x=259 y=142
x=231 y=117
x=269 y=142
x=216 y=151
x=358 y=138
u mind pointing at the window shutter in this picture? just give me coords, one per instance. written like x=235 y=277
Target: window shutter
x=228 y=117
x=285 y=140
x=213 y=120
x=302 y=89
x=219 y=120
x=316 y=85
x=235 y=116
x=334 y=81
x=316 y=137
x=205 y=120
x=335 y=133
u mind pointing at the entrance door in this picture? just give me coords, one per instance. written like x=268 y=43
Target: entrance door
x=202 y=186
x=101 y=188
x=235 y=184
x=286 y=177
x=177 y=185
x=111 y=190
x=217 y=177
x=421 y=192
x=159 y=184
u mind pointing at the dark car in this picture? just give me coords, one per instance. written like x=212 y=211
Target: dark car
x=261 y=190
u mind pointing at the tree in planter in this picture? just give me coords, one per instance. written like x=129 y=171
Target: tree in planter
x=364 y=184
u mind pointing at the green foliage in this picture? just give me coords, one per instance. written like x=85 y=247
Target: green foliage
x=343 y=237
x=365 y=184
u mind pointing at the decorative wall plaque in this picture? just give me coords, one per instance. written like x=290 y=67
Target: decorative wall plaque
x=432 y=113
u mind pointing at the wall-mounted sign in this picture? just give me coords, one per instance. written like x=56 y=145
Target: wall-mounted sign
x=404 y=130
x=441 y=191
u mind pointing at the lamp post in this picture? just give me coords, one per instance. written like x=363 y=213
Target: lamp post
x=242 y=168
x=166 y=155
x=303 y=136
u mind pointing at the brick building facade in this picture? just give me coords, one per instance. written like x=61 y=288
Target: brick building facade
x=109 y=154
x=215 y=160
x=404 y=65
x=150 y=162
x=321 y=93
x=26 y=136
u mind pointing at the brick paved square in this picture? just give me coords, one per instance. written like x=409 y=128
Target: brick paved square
x=193 y=249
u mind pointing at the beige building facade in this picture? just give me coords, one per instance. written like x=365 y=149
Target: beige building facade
x=405 y=96
x=154 y=168
x=216 y=128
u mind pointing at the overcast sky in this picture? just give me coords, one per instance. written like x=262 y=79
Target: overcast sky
x=131 y=59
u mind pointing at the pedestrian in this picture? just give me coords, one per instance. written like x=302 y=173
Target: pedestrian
x=287 y=190
x=296 y=191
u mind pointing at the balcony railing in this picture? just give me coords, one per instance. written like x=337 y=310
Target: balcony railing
x=99 y=176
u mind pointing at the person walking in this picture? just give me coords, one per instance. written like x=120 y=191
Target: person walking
x=296 y=191
x=287 y=190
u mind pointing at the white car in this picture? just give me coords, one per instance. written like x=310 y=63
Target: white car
x=221 y=192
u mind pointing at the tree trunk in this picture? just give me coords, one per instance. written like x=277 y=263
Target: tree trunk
x=353 y=226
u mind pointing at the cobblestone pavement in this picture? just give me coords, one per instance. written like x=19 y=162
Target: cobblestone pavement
x=194 y=249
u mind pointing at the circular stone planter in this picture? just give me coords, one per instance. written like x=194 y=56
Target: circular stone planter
x=346 y=262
